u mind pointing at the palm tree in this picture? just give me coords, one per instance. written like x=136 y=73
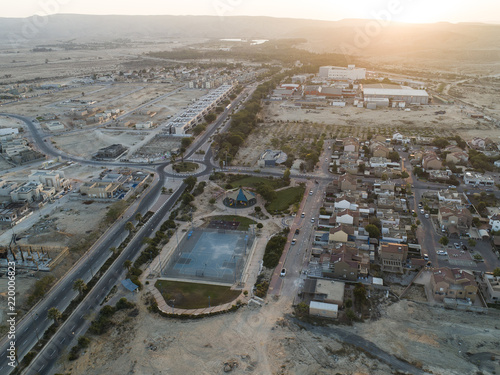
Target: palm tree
x=112 y=249
x=138 y=217
x=172 y=158
x=127 y=264
x=54 y=314
x=129 y=226
x=80 y=286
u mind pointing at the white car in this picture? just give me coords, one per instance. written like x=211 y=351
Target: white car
x=302 y=214
x=283 y=272
x=426 y=256
x=311 y=192
x=294 y=241
x=312 y=220
x=441 y=252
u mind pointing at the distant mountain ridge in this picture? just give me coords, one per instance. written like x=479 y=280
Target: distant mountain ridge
x=350 y=36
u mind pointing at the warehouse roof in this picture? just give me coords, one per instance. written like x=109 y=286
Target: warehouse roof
x=401 y=92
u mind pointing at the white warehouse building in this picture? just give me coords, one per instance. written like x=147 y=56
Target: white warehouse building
x=342 y=74
x=196 y=112
x=408 y=95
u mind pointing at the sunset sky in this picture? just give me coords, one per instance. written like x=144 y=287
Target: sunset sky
x=397 y=10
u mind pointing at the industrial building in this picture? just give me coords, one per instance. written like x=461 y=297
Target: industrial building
x=398 y=93
x=351 y=73
x=196 y=112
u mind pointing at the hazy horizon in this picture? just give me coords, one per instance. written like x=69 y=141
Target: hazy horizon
x=480 y=11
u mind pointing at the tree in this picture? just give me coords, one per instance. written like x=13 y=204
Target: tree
x=172 y=158
x=361 y=168
x=444 y=240
x=350 y=314
x=496 y=272
x=384 y=177
x=129 y=226
x=138 y=217
x=286 y=176
x=471 y=242
x=394 y=156
x=127 y=264
x=80 y=286
x=210 y=117
x=54 y=314
x=260 y=225
x=373 y=231
x=212 y=201
x=404 y=175
x=359 y=293
x=190 y=182
x=258 y=209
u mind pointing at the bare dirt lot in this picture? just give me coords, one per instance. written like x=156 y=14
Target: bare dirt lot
x=284 y=121
x=261 y=341
x=86 y=144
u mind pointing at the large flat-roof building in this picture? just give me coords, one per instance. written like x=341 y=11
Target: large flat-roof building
x=342 y=74
x=196 y=112
x=408 y=95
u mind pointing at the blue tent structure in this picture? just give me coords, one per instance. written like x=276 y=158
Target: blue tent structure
x=240 y=198
x=129 y=285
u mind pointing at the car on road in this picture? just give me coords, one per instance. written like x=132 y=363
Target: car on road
x=302 y=214
x=422 y=211
x=426 y=256
x=297 y=231
x=312 y=220
x=457 y=245
x=426 y=216
x=412 y=211
x=294 y=241
x=326 y=160
x=283 y=272
x=441 y=252
x=464 y=247
x=310 y=192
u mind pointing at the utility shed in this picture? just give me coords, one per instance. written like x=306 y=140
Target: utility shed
x=325 y=310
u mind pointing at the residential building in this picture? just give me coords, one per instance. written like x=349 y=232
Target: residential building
x=341 y=233
x=347 y=183
x=450 y=196
x=27 y=192
x=343 y=266
x=351 y=144
x=99 y=189
x=345 y=216
x=431 y=161
x=458 y=157
x=478 y=179
x=393 y=256
x=495 y=222
x=49 y=178
x=491 y=288
x=453 y=283
x=454 y=220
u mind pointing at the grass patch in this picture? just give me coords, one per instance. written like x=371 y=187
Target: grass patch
x=245 y=222
x=253 y=182
x=285 y=198
x=195 y=296
x=185 y=167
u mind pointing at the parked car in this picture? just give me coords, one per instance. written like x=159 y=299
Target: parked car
x=283 y=272
x=312 y=220
x=426 y=256
x=302 y=214
x=294 y=241
x=297 y=231
x=457 y=245
x=422 y=211
x=311 y=192
x=441 y=252
x=427 y=216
